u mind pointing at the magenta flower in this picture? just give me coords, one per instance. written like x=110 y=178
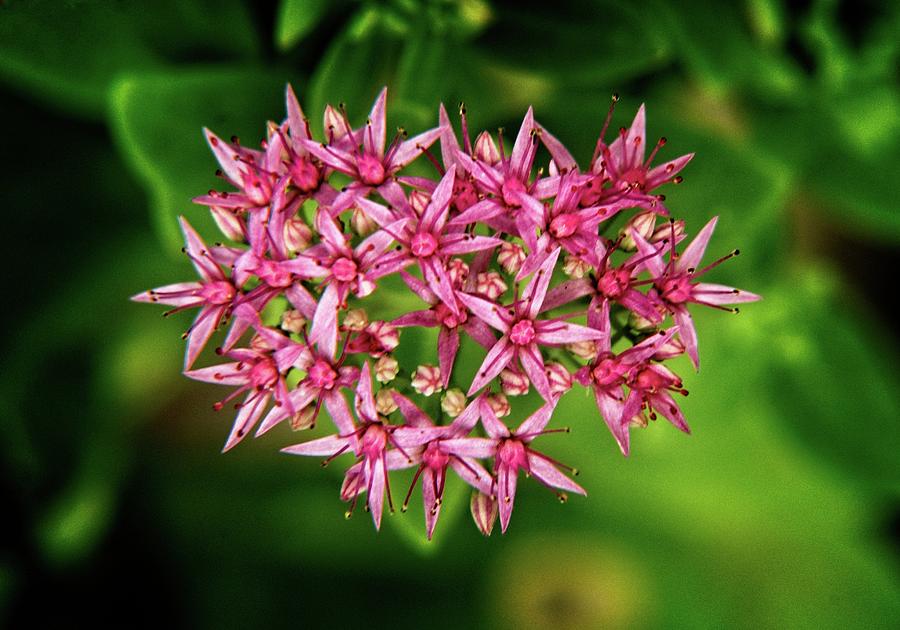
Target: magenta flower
x=674 y=282
x=512 y=452
x=367 y=161
x=523 y=333
x=441 y=447
x=214 y=294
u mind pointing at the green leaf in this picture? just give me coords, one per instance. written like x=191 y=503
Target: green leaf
x=157 y=120
x=296 y=18
x=51 y=49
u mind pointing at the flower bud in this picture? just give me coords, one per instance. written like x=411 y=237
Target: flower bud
x=484 y=512
x=419 y=200
x=356 y=320
x=304 y=419
x=511 y=256
x=458 y=271
x=575 y=267
x=335 y=127
x=672 y=348
x=297 y=235
x=486 y=149
x=665 y=231
x=385 y=336
x=642 y=223
x=386 y=369
x=490 y=285
x=259 y=344
x=362 y=223
x=453 y=402
x=498 y=403
x=586 y=350
x=427 y=379
x=228 y=223
x=640 y=324
x=559 y=377
x=514 y=383
x=292 y=321
x=384 y=401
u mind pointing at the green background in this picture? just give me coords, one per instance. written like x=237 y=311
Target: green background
x=779 y=511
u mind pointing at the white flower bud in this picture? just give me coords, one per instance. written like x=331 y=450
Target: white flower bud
x=297 y=235
x=559 y=377
x=642 y=223
x=426 y=380
x=484 y=512
x=514 y=383
x=458 y=271
x=228 y=223
x=511 y=256
x=304 y=419
x=356 y=319
x=586 y=350
x=419 y=200
x=486 y=149
x=490 y=285
x=386 y=369
x=453 y=402
x=498 y=403
x=384 y=401
x=292 y=321
x=575 y=267
x=362 y=223
x=385 y=335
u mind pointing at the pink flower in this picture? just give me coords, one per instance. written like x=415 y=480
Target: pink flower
x=512 y=452
x=523 y=333
x=674 y=282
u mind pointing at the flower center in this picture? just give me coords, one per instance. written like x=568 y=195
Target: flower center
x=371 y=170
x=264 y=374
x=607 y=372
x=343 y=270
x=635 y=177
x=614 y=282
x=649 y=379
x=434 y=457
x=511 y=454
x=321 y=375
x=272 y=274
x=564 y=225
x=218 y=292
x=446 y=317
x=675 y=290
x=511 y=190
x=373 y=441
x=522 y=332
x=423 y=244
x=305 y=175
x=464 y=195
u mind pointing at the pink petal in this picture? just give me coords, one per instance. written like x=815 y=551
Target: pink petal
x=412 y=148
x=225 y=155
x=488 y=312
x=322 y=447
x=497 y=358
x=364 y=402
x=324 y=323
x=480 y=332
x=299 y=398
x=466 y=421
x=506 y=494
x=248 y=415
x=688 y=334
x=549 y=475
x=537 y=421
x=375 y=132
x=536 y=290
x=381 y=215
x=419 y=288
x=199 y=253
x=417 y=318
x=223 y=374
x=472 y=473
x=611 y=412
x=693 y=253
x=435 y=215
x=201 y=330
x=523 y=150
x=373 y=246
x=455 y=244
x=190 y=288
x=448 y=346
x=481 y=211
x=429 y=499
x=651 y=255
x=558 y=151
x=414 y=416
x=480 y=448
x=663 y=172
x=296 y=117
x=664 y=404
x=301 y=299
x=707 y=293
x=377 y=475
x=566 y=292
x=449 y=143
x=533 y=364
x=491 y=423
x=439 y=281
x=556 y=332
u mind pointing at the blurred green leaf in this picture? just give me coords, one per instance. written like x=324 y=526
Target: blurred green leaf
x=157 y=119
x=296 y=18
x=52 y=49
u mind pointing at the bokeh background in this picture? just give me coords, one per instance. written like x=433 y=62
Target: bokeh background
x=781 y=510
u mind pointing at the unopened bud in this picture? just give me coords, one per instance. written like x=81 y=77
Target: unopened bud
x=386 y=336
x=559 y=377
x=453 y=402
x=356 y=320
x=259 y=344
x=666 y=231
x=386 y=369
x=511 y=256
x=335 y=128
x=292 y=321
x=427 y=379
x=499 y=404
x=486 y=149
x=297 y=235
x=639 y=323
x=362 y=223
x=586 y=350
x=514 y=383
x=484 y=512
x=304 y=419
x=490 y=285
x=384 y=401
x=228 y=223
x=419 y=200
x=642 y=223
x=458 y=271
x=575 y=267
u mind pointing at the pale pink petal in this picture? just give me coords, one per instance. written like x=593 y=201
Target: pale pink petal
x=533 y=364
x=299 y=398
x=470 y=447
x=435 y=214
x=301 y=299
x=199 y=253
x=546 y=187
x=481 y=211
x=201 y=330
x=491 y=423
x=437 y=278
x=364 y=402
x=324 y=322
x=381 y=215
x=558 y=151
x=566 y=292
x=449 y=143
x=549 y=475
x=158 y=295
x=296 y=117
x=664 y=404
x=411 y=436
x=322 y=447
x=455 y=244
x=488 y=312
x=225 y=154
x=472 y=473
x=412 y=148
x=419 y=288
x=506 y=494
x=377 y=478
x=331 y=235
x=414 y=416
x=430 y=504
x=234 y=373
x=337 y=408
x=523 y=150
x=537 y=421
x=466 y=421
x=248 y=415
x=373 y=247
x=417 y=318
x=666 y=171
x=375 y=132
x=651 y=255
x=688 y=334
x=331 y=156
x=555 y=332
x=707 y=293
x=611 y=412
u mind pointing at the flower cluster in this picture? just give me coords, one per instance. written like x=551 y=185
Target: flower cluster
x=499 y=252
